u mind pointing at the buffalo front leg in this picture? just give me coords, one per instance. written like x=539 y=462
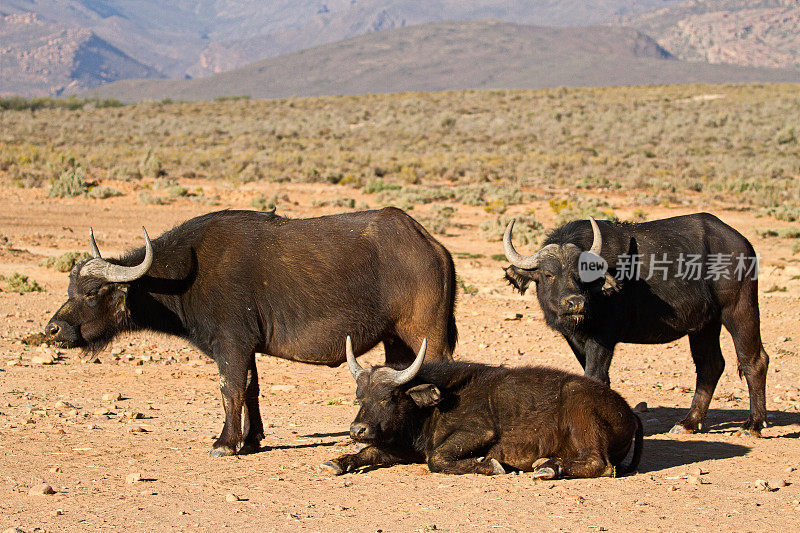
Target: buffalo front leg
x=459 y=455
x=598 y=361
x=369 y=456
x=233 y=371
x=254 y=427
x=583 y=467
x=709 y=363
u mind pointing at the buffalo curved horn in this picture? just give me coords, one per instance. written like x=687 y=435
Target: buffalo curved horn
x=404 y=376
x=101 y=268
x=597 y=241
x=527 y=262
x=93 y=245
x=355 y=368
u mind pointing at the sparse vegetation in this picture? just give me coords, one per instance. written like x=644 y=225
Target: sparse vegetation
x=465 y=287
x=568 y=210
x=65 y=262
x=439 y=219
x=101 y=192
x=663 y=144
x=20 y=283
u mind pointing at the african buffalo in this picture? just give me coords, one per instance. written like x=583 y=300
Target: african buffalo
x=470 y=418
x=239 y=282
x=686 y=275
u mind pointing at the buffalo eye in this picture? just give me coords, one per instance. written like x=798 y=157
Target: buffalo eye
x=549 y=276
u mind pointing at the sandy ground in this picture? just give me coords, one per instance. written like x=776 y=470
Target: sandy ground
x=86 y=456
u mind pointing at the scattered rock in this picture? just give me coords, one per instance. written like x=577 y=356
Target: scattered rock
x=696 y=471
x=117 y=350
x=55 y=470
x=133 y=415
x=640 y=407
x=42 y=489
x=282 y=388
x=513 y=316
x=231 y=497
x=112 y=397
x=13 y=530
x=61 y=404
x=134 y=477
x=101 y=411
x=57 y=512
x=695 y=480
x=762 y=485
x=13 y=362
x=776 y=483
x=783 y=339
x=789 y=469
x=44 y=359
x=135 y=429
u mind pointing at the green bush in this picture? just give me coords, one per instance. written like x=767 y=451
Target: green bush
x=101 y=192
x=527 y=230
x=439 y=220
x=21 y=283
x=70 y=182
x=65 y=262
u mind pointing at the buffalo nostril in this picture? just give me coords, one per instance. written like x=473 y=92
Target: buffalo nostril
x=51 y=329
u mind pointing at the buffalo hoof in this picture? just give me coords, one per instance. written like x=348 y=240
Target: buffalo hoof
x=222 y=451
x=680 y=429
x=331 y=467
x=544 y=472
x=497 y=468
x=249 y=447
x=539 y=462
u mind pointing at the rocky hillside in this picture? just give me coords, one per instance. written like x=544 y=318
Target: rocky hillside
x=40 y=58
x=761 y=33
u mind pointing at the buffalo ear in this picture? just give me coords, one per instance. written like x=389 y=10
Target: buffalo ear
x=520 y=279
x=426 y=395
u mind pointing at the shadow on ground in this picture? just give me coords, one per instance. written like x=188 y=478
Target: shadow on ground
x=660 y=454
x=659 y=420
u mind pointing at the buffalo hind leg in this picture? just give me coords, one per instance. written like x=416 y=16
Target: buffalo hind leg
x=233 y=370
x=589 y=466
x=253 y=425
x=743 y=324
x=368 y=456
x=709 y=364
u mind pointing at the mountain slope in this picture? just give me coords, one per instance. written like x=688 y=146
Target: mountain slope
x=752 y=33
x=196 y=38
x=453 y=55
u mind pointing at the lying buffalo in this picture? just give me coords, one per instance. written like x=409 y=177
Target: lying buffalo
x=239 y=282
x=686 y=275
x=469 y=418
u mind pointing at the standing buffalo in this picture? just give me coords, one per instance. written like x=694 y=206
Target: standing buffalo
x=239 y=282
x=469 y=418
x=686 y=275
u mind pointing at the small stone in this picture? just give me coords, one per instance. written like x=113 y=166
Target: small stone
x=57 y=512
x=641 y=407
x=694 y=480
x=783 y=339
x=672 y=488
x=45 y=359
x=231 y=497
x=13 y=362
x=61 y=404
x=483 y=346
x=696 y=471
x=91 y=426
x=789 y=469
x=282 y=388
x=777 y=483
x=117 y=350
x=135 y=429
x=139 y=371
x=55 y=470
x=133 y=415
x=42 y=489
x=13 y=530
x=134 y=477
x=101 y=411
x=112 y=397
x=762 y=485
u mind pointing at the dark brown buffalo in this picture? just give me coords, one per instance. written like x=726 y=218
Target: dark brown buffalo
x=694 y=277
x=239 y=282
x=463 y=418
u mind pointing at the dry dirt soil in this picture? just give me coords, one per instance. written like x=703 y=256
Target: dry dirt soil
x=57 y=428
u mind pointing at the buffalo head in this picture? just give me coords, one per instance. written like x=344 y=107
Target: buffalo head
x=564 y=297
x=387 y=403
x=97 y=306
